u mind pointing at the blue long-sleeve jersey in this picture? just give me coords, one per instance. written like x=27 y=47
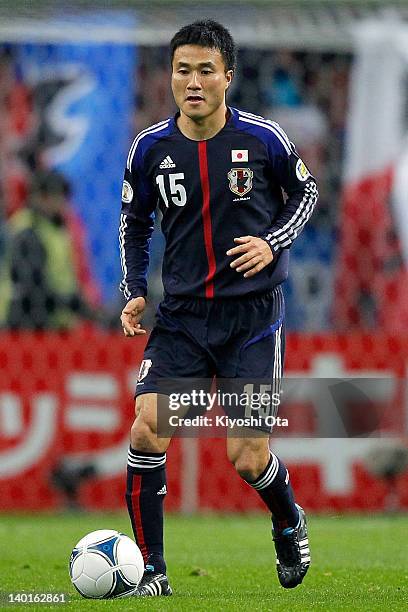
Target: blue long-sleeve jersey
x=246 y=180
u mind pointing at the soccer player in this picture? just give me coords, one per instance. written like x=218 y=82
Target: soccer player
x=218 y=175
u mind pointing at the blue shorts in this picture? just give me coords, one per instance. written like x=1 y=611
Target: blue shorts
x=230 y=338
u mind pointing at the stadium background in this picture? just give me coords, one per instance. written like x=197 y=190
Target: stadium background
x=74 y=90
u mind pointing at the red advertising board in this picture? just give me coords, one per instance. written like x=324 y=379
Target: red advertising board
x=70 y=397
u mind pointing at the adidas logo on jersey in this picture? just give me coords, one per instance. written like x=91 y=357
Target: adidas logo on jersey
x=167 y=163
x=163 y=491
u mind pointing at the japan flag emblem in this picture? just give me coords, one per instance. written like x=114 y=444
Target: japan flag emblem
x=239 y=155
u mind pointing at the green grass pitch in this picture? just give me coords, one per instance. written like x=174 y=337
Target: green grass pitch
x=221 y=563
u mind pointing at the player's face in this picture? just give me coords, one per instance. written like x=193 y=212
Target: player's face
x=199 y=80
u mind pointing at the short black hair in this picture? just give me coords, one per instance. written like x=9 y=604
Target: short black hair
x=207 y=33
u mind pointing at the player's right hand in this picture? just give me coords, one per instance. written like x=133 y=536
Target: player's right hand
x=132 y=315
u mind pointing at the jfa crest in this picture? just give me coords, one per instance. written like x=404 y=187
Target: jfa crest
x=240 y=180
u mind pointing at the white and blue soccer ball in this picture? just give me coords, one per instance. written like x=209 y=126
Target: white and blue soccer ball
x=106 y=564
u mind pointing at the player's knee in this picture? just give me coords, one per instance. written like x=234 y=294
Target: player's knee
x=144 y=438
x=249 y=464
x=246 y=469
x=143 y=431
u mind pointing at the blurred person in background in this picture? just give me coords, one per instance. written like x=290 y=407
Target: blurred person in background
x=153 y=100
x=16 y=122
x=39 y=286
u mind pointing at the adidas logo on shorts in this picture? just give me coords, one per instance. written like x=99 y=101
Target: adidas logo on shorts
x=162 y=491
x=167 y=163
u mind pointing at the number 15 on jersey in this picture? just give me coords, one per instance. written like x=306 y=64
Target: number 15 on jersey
x=176 y=189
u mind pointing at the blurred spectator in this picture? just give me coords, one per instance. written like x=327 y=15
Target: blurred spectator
x=15 y=125
x=154 y=98
x=283 y=87
x=40 y=287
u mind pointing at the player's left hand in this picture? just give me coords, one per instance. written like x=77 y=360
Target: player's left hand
x=132 y=315
x=253 y=254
